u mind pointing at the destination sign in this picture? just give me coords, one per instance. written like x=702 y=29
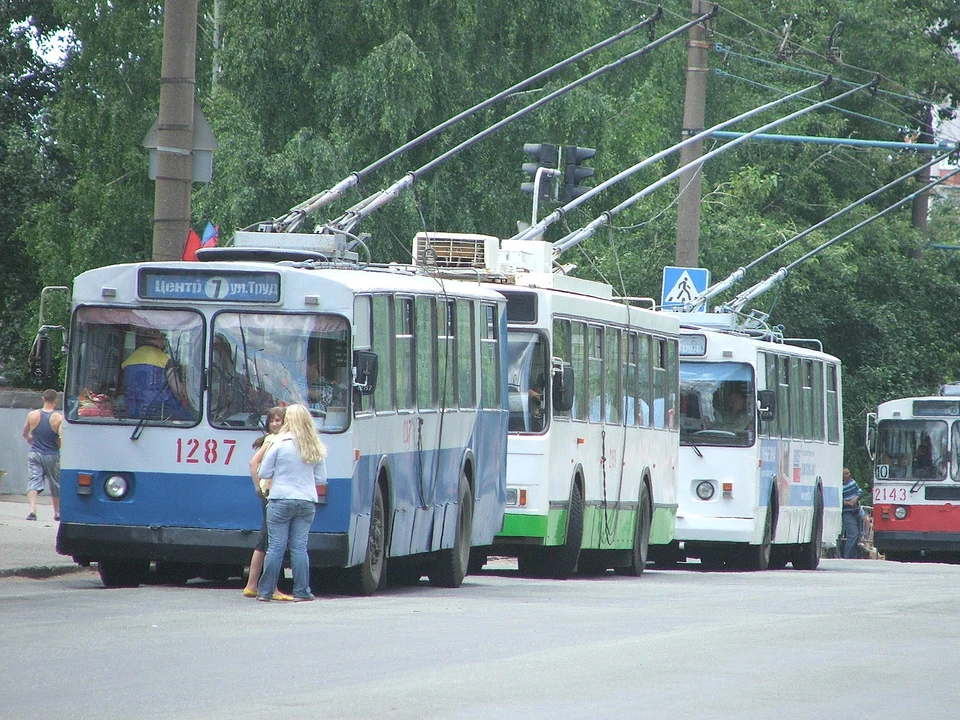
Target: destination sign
x=160 y=284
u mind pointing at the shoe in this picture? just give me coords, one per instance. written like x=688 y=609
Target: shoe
x=247 y=592
x=56 y=518
x=283 y=597
x=304 y=599
x=263 y=599
x=32 y=516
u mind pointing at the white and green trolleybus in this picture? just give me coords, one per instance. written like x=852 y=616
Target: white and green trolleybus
x=592 y=448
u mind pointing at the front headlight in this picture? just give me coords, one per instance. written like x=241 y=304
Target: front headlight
x=116 y=487
x=705 y=490
x=899 y=512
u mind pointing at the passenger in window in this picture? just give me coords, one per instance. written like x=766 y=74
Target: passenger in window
x=152 y=384
x=923 y=466
x=731 y=408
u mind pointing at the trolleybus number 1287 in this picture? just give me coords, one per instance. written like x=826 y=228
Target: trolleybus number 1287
x=209 y=452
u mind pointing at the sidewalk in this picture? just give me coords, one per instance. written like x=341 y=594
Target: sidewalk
x=29 y=547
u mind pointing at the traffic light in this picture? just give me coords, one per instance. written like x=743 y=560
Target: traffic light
x=574 y=172
x=546 y=156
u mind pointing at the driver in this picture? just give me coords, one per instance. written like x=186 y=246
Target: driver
x=731 y=408
x=152 y=387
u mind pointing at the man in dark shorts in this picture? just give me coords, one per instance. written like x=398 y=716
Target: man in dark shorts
x=42 y=431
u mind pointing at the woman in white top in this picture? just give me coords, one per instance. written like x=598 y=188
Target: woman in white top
x=294 y=466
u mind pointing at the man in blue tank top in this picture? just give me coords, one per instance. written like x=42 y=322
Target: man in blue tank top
x=42 y=431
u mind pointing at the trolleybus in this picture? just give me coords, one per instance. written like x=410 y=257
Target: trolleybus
x=593 y=438
x=403 y=374
x=915 y=447
x=761 y=448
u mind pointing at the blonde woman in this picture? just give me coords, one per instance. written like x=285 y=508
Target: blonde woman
x=294 y=465
x=275 y=417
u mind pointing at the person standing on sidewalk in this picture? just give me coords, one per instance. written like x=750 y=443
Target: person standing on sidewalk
x=850 y=515
x=42 y=431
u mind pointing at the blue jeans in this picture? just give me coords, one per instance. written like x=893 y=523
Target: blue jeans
x=851 y=532
x=288 y=521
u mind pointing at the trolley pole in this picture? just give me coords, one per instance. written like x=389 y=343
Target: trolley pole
x=688 y=204
x=171 y=214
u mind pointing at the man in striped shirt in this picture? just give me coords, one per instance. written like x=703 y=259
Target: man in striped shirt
x=850 y=515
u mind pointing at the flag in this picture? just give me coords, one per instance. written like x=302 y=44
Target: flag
x=193 y=244
x=210 y=234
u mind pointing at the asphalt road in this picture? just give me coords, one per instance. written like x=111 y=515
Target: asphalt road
x=855 y=639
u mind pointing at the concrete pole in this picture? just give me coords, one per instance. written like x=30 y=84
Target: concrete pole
x=171 y=215
x=921 y=204
x=688 y=204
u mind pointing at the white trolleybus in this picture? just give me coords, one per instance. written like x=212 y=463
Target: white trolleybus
x=915 y=447
x=593 y=438
x=403 y=374
x=761 y=448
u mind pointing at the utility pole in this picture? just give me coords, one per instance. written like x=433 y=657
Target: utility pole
x=921 y=203
x=688 y=204
x=171 y=215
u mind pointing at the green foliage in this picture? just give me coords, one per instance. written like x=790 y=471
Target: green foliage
x=301 y=93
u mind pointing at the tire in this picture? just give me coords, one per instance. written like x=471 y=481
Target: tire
x=365 y=578
x=758 y=556
x=122 y=573
x=808 y=556
x=641 y=538
x=561 y=562
x=450 y=565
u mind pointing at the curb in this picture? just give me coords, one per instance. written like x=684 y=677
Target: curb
x=41 y=572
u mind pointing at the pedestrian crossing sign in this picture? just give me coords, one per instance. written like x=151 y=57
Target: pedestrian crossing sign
x=681 y=285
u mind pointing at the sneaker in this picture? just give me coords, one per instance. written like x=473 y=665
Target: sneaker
x=308 y=598
x=282 y=597
x=32 y=516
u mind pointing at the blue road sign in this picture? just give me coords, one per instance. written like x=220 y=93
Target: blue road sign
x=681 y=285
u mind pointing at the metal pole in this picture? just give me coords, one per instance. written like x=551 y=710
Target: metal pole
x=171 y=215
x=688 y=203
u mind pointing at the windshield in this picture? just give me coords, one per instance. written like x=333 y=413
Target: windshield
x=527 y=381
x=912 y=449
x=260 y=360
x=136 y=366
x=717 y=404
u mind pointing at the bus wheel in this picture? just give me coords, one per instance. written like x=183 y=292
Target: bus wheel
x=450 y=565
x=562 y=561
x=122 y=573
x=808 y=557
x=364 y=579
x=757 y=557
x=641 y=537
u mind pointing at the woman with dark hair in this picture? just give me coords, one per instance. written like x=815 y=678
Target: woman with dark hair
x=275 y=417
x=294 y=466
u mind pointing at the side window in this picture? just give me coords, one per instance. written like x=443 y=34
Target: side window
x=644 y=380
x=561 y=350
x=489 y=357
x=595 y=372
x=807 y=373
x=361 y=341
x=403 y=325
x=770 y=428
x=382 y=346
x=673 y=384
x=818 y=401
x=660 y=383
x=426 y=354
x=467 y=381
x=578 y=357
x=833 y=404
x=783 y=395
x=611 y=382
x=446 y=352
x=629 y=355
x=796 y=406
